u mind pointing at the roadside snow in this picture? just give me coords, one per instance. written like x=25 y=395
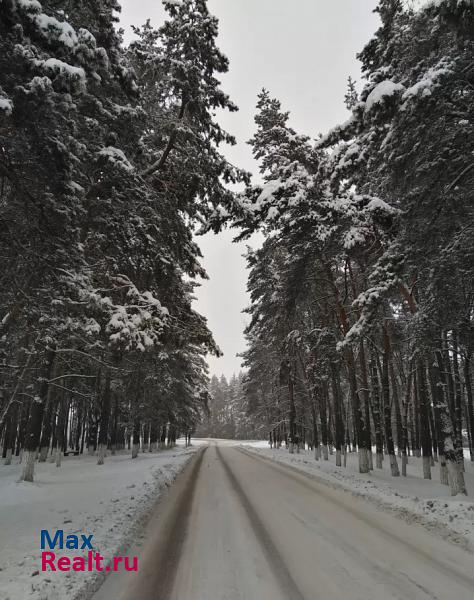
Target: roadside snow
x=410 y=498
x=109 y=502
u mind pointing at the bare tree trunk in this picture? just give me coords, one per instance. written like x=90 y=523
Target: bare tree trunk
x=458 y=401
x=386 y=404
x=163 y=437
x=10 y=433
x=437 y=410
x=33 y=430
x=339 y=424
x=455 y=473
x=92 y=426
x=323 y=413
x=470 y=400
x=136 y=438
x=454 y=410
x=376 y=413
x=60 y=427
x=292 y=411
x=406 y=402
x=104 y=419
x=154 y=436
x=146 y=437
x=366 y=396
x=426 y=444
x=45 y=440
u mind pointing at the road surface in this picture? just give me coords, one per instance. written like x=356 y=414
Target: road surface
x=237 y=527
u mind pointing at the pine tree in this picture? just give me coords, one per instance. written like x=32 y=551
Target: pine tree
x=352 y=97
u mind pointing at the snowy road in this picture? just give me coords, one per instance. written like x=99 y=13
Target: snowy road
x=237 y=527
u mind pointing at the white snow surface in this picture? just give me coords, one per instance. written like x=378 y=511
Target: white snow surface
x=116 y=157
x=109 y=501
x=440 y=2
x=410 y=498
x=427 y=83
x=6 y=105
x=59 y=66
x=382 y=90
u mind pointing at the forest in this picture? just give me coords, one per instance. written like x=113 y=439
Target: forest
x=361 y=331
x=112 y=162
x=228 y=416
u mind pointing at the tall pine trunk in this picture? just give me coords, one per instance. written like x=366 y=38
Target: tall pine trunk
x=10 y=433
x=470 y=400
x=455 y=473
x=424 y=403
x=104 y=419
x=387 y=409
x=33 y=429
x=366 y=396
x=376 y=412
x=339 y=424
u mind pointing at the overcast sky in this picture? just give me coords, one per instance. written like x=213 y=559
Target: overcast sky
x=302 y=51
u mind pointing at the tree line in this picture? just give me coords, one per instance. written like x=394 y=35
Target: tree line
x=361 y=330
x=229 y=416
x=109 y=164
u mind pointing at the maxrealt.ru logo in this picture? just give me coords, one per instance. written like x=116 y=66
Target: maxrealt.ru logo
x=92 y=561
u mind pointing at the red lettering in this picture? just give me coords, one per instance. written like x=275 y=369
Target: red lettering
x=64 y=563
x=117 y=560
x=78 y=563
x=47 y=559
x=98 y=559
x=134 y=566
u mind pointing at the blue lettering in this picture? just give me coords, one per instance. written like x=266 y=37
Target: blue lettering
x=86 y=541
x=57 y=539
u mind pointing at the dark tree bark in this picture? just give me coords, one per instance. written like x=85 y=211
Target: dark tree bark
x=366 y=396
x=323 y=414
x=11 y=426
x=470 y=400
x=436 y=394
x=136 y=436
x=339 y=424
x=92 y=430
x=406 y=403
x=33 y=430
x=163 y=437
x=455 y=473
x=426 y=444
x=387 y=409
x=458 y=400
x=104 y=419
x=114 y=429
x=47 y=431
x=376 y=412
x=61 y=429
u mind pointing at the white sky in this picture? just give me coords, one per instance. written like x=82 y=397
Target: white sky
x=302 y=51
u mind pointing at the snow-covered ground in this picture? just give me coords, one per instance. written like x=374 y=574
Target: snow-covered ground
x=110 y=502
x=245 y=528
x=411 y=498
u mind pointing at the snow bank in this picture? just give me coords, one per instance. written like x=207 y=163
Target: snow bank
x=410 y=498
x=109 y=502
